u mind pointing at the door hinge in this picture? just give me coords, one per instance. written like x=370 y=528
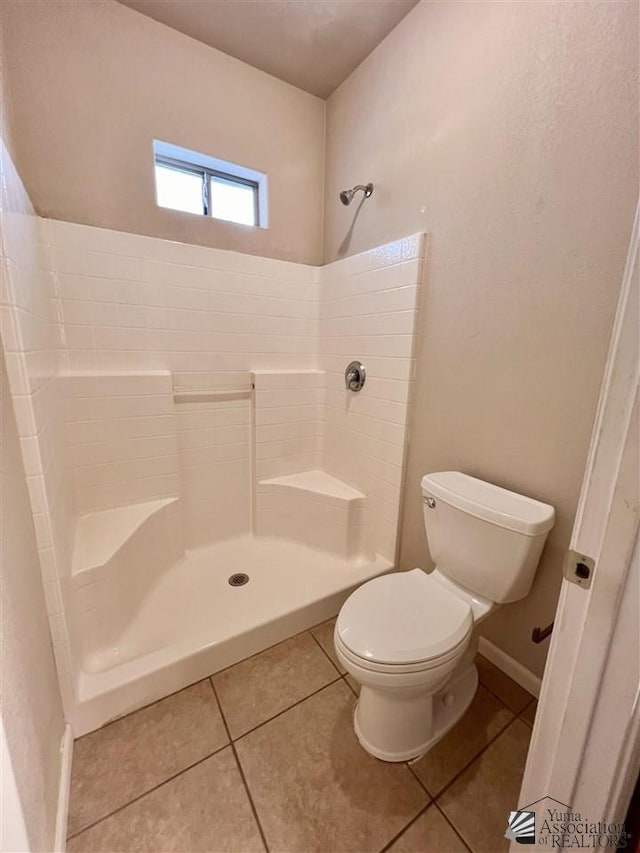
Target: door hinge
x=578 y=568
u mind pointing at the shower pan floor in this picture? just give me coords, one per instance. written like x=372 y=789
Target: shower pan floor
x=193 y=623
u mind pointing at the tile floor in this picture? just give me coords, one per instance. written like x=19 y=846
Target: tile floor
x=262 y=756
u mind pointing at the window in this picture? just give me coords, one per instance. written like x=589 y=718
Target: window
x=196 y=183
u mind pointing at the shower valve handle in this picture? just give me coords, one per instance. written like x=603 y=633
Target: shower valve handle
x=355 y=376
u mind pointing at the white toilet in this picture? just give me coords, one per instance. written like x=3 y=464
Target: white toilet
x=408 y=637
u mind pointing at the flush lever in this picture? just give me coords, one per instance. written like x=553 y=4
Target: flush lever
x=355 y=376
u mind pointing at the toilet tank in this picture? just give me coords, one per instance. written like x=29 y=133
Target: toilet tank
x=484 y=537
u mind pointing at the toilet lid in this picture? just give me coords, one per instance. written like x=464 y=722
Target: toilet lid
x=404 y=617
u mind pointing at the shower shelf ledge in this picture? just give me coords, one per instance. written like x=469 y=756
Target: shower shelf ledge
x=317 y=483
x=100 y=535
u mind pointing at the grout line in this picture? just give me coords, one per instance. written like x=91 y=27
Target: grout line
x=240 y=769
x=256 y=654
x=193 y=683
x=324 y=651
x=476 y=756
x=521 y=717
x=495 y=695
x=288 y=708
x=430 y=802
x=344 y=678
x=452 y=826
x=418 y=779
x=149 y=791
x=141 y=708
x=502 y=702
x=405 y=828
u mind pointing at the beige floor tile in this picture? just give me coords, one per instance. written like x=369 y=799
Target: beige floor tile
x=482 y=721
x=324 y=635
x=257 y=688
x=204 y=809
x=479 y=801
x=505 y=688
x=529 y=713
x=314 y=786
x=132 y=755
x=431 y=833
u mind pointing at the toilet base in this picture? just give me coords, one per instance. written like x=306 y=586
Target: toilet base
x=403 y=725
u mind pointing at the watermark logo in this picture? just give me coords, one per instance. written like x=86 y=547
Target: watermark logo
x=522 y=827
x=549 y=823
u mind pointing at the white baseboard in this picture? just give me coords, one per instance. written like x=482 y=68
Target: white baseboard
x=66 y=757
x=510 y=666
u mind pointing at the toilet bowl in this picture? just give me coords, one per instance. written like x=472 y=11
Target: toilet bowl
x=409 y=638
x=402 y=636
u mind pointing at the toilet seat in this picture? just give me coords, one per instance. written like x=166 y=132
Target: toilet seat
x=403 y=622
x=368 y=665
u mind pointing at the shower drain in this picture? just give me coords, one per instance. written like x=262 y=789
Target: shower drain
x=239 y=579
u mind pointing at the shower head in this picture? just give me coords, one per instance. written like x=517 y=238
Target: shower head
x=346 y=196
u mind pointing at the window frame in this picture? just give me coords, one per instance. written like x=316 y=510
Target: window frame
x=183 y=160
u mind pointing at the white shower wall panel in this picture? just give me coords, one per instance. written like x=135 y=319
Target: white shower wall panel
x=289 y=421
x=133 y=303
x=30 y=315
x=368 y=309
x=121 y=436
x=214 y=451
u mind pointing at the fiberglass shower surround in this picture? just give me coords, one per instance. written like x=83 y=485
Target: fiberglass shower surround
x=195 y=424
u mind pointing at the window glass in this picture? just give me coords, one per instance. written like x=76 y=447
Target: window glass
x=179 y=190
x=207 y=186
x=233 y=201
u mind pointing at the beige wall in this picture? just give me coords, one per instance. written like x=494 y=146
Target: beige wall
x=31 y=705
x=509 y=133
x=92 y=83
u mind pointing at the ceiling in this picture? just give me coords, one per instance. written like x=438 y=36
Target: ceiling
x=313 y=44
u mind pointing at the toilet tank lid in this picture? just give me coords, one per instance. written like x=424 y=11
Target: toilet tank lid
x=491 y=503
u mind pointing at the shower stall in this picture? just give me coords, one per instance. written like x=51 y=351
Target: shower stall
x=203 y=484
